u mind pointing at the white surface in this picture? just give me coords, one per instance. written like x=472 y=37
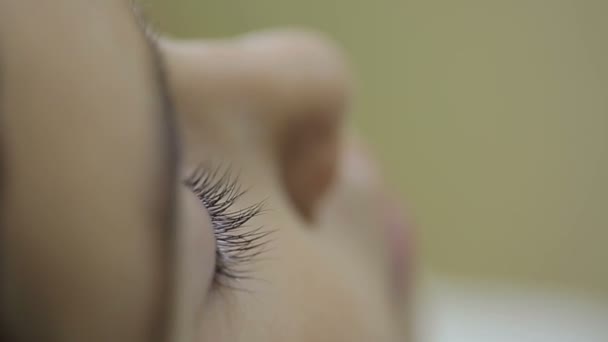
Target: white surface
x=480 y=312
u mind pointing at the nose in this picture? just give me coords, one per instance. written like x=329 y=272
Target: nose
x=285 y=93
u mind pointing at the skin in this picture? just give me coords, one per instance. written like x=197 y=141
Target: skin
x=100 y=240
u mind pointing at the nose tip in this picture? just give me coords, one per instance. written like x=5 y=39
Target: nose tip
x=310 y=84
x=293 y=88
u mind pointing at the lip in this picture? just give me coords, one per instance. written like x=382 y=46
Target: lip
x=399 y=243
x=394 y=223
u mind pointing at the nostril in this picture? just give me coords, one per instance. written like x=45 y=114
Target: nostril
x=308 y=155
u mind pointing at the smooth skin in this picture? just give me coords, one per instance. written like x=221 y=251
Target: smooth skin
x=100 y=240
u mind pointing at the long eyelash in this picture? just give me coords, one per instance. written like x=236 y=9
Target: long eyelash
x=237 y=244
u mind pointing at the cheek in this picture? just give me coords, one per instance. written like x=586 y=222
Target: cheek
x=194 y=266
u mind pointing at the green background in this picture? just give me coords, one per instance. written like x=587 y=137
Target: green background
x=490 y=116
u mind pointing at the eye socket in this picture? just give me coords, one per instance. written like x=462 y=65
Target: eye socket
x=236 y=243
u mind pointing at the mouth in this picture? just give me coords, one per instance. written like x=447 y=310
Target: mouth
x=398 y=233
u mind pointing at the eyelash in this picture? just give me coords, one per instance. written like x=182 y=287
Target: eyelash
x=236 y=243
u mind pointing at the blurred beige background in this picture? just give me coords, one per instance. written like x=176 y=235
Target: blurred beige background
x=490 y=116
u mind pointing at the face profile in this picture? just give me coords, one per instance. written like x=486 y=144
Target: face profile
x=186 y=190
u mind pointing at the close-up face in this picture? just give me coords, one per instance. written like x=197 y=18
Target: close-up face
x=155 y=189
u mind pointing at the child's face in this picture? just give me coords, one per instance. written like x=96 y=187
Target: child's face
x=106 y=236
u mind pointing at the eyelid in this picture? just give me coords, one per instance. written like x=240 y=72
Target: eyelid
x=170 y=152
x=237 y=244
x=194 y=268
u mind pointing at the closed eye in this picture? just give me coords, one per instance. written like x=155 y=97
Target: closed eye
x=236 y=244
x=216 y=188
